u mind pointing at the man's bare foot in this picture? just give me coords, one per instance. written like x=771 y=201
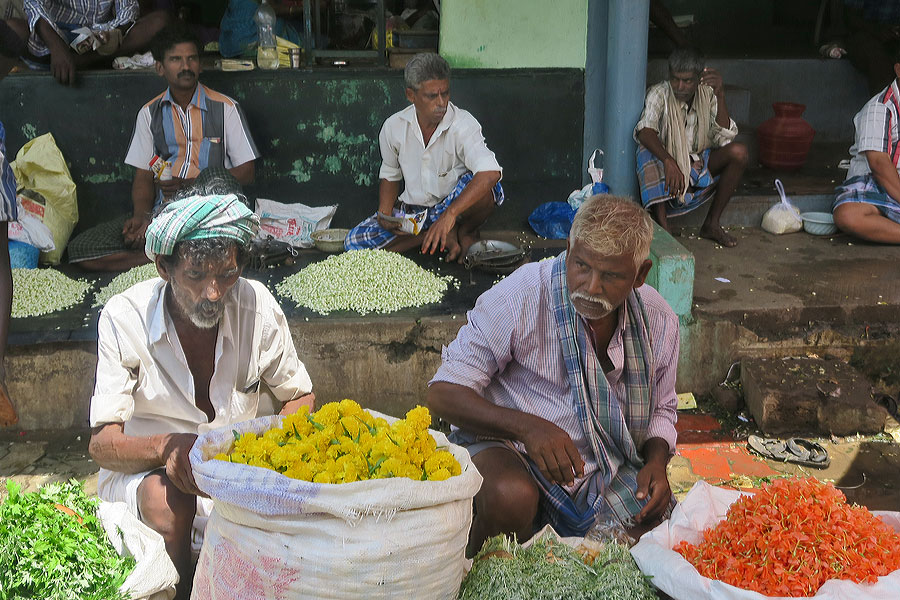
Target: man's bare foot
x=8 y=416
x=453 y=248
x=465 y=242
x=718 y=235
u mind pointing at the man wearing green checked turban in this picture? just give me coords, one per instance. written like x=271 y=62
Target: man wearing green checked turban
x=179 y=355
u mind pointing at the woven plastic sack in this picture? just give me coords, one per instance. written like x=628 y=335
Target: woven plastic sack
x=703 y=507
x=154 y=576
x=782 y=217
x=292 y=223
x=40 y=166
x=271 y=537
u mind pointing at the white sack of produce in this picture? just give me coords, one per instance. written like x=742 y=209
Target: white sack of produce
x=154 y=576
x=703 y=507
x=272 y=537
x=292 y=223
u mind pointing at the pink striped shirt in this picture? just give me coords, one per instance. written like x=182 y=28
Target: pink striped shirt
x=509 y=352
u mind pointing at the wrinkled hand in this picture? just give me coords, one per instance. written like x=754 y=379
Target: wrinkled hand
x=62 y=65
x=391 y=226
x=437 y=235
x=554 y=453
x=175 y=450
x=674 y=178
x=712 y=78
x=135 y=230
x=652 y=481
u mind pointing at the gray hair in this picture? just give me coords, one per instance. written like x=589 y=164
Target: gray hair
x=423 y=67
x=612 y=225
x=215 y=250
x=686 y=59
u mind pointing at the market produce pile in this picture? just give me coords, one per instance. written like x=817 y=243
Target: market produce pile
x=364 y=281
x=53 y=547
x=42 y=291
x=123 y=281
x=549 y=569
x=791 y=537
x=342 y=443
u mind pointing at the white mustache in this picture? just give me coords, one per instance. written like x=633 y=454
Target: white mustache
x=600 y=300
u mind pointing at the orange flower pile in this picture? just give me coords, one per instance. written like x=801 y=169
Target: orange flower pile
x=793 y=536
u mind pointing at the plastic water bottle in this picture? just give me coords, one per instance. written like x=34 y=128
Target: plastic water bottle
x=267 y=52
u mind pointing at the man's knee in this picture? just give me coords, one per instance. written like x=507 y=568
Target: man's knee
x=738 y=154
x=164 y=508
x=157 y=19
x=511 y=502
x=851 y=216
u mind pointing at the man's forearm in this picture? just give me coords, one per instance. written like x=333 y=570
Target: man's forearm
x=388 y=192
x=245 y=173
x=482 y=182
x=723 y=118
x=112 y=449
x=143 y=193
x=656 y=450
x=650 y=139
x=51 y=39
x=461 y=406
x=885 y=173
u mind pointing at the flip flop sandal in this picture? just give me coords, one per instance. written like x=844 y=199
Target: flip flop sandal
x=794 y=450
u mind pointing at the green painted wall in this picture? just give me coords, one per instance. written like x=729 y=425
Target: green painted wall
x=510 y=34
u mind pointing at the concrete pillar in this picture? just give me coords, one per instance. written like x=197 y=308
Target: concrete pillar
x=594 y=80
x=626 y=74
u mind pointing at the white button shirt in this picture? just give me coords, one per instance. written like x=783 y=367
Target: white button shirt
x=430 y=172
x=143 y=379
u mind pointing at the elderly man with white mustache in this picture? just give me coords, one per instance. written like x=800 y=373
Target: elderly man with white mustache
x=562 y=385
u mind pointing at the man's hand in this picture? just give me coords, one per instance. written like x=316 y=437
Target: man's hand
x=62 y=65
x=553 y=451
x=674 y=178
x=174 y=450
x=391 y=226
x=292 y=406
x=652 y=481
x=712 y=78
x=135 y=230
x=437 y=235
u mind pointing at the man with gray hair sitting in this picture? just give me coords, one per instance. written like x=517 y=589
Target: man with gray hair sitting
x=686 y=150
x=562 y=385
x=451 y=178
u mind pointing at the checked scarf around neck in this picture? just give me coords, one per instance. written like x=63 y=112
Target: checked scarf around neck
x=676 y=137
x=615 y=427
x=200 y=217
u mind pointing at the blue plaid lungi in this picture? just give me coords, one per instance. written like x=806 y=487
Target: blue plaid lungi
x=652 y=175
x=864 y=188
x=8 y=211
x=371 y=235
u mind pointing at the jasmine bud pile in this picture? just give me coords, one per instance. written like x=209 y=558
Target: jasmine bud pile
x=364 y=281
x=123 y=281
x=42 y=291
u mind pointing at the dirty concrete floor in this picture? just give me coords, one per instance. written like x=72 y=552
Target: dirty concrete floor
x=773 y=281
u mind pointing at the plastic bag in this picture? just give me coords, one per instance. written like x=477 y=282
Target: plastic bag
x=40 y=167
x=552 y=220
x=577 y=197
x=292 y=223
x=703 y=507
x=154 y=576
x=782 y=217
x=30 y=228
x=274 y=537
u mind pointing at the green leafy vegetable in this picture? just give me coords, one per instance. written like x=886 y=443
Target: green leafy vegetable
x=53 y=547
x=549 y=569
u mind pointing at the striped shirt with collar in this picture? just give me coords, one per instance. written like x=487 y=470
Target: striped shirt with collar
x=110 y=13
x=212 y=132
x=876 y=130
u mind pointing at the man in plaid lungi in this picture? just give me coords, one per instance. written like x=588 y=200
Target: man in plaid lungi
x=562 y=385
x=198 y=348
x=438 y=151
x=8 y=212
x=686 y=150
x=867 y=203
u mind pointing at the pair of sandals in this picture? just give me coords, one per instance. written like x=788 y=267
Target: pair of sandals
x=793 y=450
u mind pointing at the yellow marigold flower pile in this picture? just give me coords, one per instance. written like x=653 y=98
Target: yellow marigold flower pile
x=342 y=443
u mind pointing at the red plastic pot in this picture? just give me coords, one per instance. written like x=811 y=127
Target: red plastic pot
x=785 y=139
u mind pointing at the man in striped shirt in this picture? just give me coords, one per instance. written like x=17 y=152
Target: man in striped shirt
x=867 y=203
x=195 y=129
x=562 y=385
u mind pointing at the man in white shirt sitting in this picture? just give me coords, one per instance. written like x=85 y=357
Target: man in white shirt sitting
x=448 y=172
x=183 y=354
